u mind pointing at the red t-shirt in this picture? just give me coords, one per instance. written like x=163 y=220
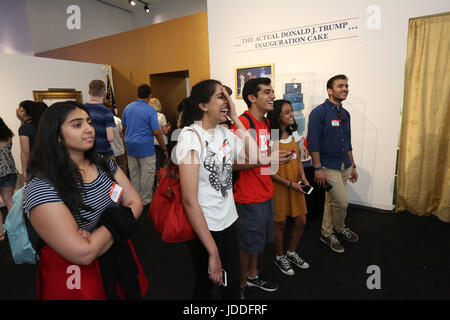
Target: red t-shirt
x=252 y=186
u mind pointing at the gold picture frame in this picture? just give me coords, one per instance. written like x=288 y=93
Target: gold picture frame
x=242 y=74
x=57 y=95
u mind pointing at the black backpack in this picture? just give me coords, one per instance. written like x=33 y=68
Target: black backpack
x=253 y=133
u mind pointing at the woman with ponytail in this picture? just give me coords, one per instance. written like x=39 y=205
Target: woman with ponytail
x=29 y=113
x=205 y=154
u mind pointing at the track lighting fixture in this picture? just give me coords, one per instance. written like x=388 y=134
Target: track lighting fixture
x=133 y=3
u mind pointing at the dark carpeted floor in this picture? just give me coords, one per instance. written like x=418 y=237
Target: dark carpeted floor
x=412 y=252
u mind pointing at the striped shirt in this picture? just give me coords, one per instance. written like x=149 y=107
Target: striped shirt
x=39 y=191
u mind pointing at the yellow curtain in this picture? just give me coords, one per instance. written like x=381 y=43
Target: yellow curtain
x=424 y=155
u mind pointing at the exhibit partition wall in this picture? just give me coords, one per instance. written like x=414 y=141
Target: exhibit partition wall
x=21 y=75
x=178 y=45
x=308 y=42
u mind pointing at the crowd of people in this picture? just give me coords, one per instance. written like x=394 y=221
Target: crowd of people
x=90 y=174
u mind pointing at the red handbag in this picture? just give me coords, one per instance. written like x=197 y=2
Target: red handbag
x=59 y=279
x=166 y=209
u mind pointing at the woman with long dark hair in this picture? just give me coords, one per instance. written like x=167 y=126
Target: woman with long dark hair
x=29 y=113
x=8 y=174
x=288 y=196
x=72 y=187
x=205 y=153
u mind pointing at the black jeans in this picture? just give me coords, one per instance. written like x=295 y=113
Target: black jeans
x=228 y=246
x=160 y=158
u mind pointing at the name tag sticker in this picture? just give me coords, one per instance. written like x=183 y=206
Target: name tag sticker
x=224 y=150
x=335 y=123
x=116 y=192
x=263 y=142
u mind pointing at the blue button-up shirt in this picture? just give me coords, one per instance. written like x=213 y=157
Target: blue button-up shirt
x=329 y=136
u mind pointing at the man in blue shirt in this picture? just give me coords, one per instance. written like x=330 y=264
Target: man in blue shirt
x=102 y=117
x=329 y=141
x=140 y=124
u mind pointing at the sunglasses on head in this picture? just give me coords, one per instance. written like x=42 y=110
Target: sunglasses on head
x=341 y=116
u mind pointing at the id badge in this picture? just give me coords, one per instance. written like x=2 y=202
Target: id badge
x=116 y=192
x=224 y=150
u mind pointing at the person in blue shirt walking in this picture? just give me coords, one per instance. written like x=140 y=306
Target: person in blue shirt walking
x=140 y=124
x=329 y=142
x=102 y=118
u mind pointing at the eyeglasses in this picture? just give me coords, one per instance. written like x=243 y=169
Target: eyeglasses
x=341 y=116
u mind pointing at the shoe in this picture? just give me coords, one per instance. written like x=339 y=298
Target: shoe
x=297 y=260
x=262 y=284
x=349 y=235
x=333 y=243
x=244 y=293
x=284 y=266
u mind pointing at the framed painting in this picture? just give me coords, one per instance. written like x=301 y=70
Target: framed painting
x=242 y=74
x=57 y=95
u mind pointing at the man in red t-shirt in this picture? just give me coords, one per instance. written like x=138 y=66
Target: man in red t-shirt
x=254 y=187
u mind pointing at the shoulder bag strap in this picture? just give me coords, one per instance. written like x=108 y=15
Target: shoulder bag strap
x=200 y=139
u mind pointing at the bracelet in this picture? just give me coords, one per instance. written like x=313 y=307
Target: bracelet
x=318 y=168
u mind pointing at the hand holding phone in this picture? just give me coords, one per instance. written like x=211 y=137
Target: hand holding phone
x=307 y=189
x=224 y=277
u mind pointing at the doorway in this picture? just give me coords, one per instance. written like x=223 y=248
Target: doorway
x=170 y=88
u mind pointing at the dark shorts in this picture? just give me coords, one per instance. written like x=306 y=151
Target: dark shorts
x=8 y=181
x=255 y=225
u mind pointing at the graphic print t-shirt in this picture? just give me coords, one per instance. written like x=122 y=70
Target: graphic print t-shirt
x=215 y=192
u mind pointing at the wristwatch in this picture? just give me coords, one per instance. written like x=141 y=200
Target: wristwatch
x=354 y=165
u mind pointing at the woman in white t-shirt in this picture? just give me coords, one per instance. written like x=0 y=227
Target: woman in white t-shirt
x=205 y=153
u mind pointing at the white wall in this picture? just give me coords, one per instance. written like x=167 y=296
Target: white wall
x=373 y=59
x=14 y=30
x=22 y=74
x=47 y=19
x=166 y=10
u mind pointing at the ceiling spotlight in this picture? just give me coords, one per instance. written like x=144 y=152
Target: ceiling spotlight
x=132 y=2
x=146 y=8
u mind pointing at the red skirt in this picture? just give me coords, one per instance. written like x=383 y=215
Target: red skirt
x=59 y=279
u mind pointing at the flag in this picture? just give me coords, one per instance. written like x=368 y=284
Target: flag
x=110 y=95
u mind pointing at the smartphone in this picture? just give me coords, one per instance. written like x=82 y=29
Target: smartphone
x=224 y=278
x=327 y=186
x=305 y=188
